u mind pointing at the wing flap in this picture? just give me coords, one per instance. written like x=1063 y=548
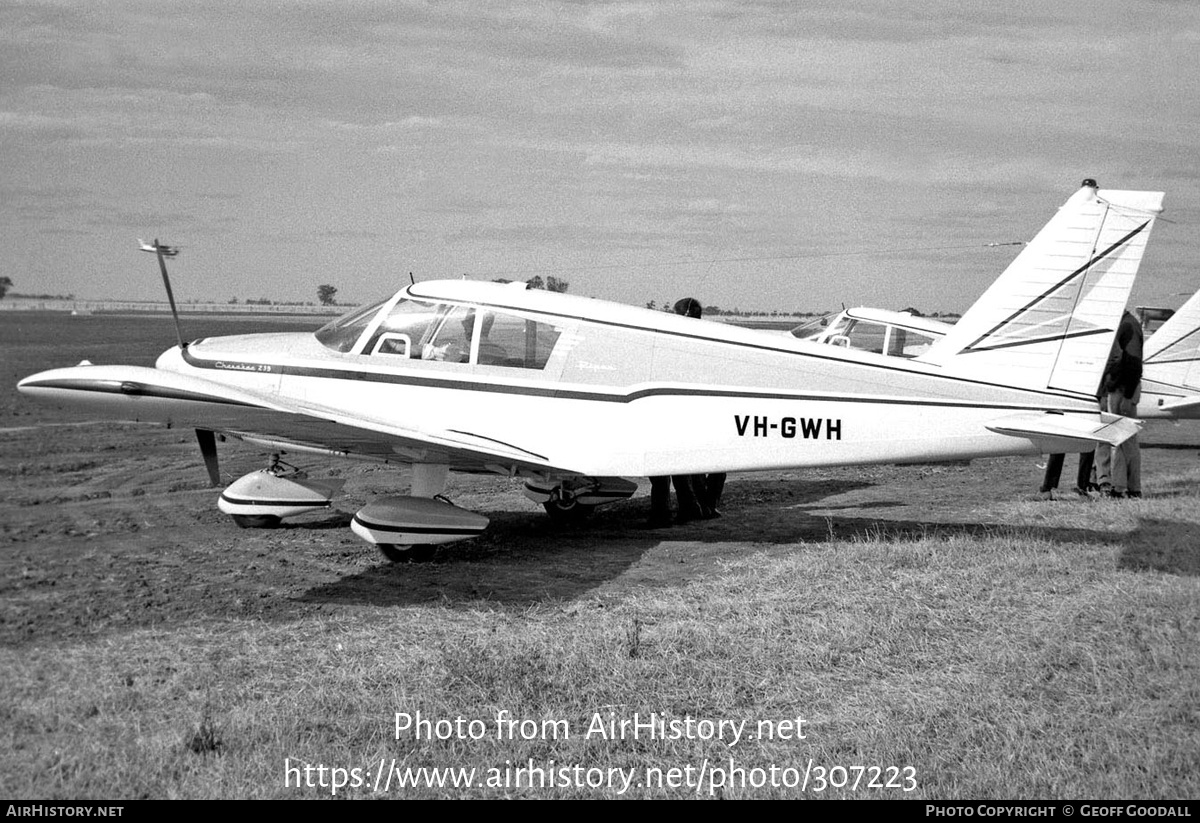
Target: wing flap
x=480 y=447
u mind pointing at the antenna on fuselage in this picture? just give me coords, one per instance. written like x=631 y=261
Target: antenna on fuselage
x=412 y=279
x=160 y=251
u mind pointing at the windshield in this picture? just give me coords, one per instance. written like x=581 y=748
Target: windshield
x=343 y=333
x=814 y=327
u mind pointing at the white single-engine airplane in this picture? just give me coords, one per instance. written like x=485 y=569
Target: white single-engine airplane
x=1171 y=367
x=575 y=395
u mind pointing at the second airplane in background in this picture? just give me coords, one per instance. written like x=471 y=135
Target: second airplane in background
x=1170 y=366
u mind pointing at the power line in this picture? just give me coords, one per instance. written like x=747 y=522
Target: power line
x=713 y=261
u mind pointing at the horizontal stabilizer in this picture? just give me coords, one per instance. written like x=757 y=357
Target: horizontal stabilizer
x=1059 y=433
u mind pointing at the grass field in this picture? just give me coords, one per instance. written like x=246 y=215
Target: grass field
x=891 y=632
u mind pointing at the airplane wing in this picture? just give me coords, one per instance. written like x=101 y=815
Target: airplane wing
x=1055 y=433
x=143 y=394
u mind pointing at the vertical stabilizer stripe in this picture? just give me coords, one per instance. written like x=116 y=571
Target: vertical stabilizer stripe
x=1081 y=270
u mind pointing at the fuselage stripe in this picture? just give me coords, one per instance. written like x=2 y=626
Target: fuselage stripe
x=665 y=391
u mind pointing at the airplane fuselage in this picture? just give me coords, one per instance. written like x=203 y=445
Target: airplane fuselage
x=640 y=393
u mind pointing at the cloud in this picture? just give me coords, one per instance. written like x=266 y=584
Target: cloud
x=509 y=133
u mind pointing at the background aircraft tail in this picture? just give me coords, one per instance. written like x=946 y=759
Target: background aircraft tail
x=1172 y=354
x=1048 y=321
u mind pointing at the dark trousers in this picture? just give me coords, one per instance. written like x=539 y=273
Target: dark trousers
x=660 y=499
x=689 y=491
x=1054 y=466
x=714 y=485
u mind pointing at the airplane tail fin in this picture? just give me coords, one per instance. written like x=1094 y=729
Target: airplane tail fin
x=1048 y=321
x=1172 y=353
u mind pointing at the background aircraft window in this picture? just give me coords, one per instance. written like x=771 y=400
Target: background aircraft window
x=516 y=342
x=343 y=333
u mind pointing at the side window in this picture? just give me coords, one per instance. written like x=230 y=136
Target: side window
x=914 y=343
x=515 y=342
x=867 y=336
x=451 y=342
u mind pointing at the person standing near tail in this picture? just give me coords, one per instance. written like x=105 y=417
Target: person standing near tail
x=1119 y=468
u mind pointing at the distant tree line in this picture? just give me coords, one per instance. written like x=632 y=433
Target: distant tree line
x=536 y=282
x=263 y=301
x=717 y=311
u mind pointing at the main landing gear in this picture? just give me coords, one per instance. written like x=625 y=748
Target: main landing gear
x=261 y=499
x=407 y=554
x=575 y=498
x=408 y=529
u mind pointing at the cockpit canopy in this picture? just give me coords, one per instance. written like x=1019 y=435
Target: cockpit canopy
x=447 y=332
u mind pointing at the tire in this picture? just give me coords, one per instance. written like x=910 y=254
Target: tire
x=565 y=512
x=418 y=553
x=257 y=521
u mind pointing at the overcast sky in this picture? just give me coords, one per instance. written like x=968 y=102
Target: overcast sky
x=792 y=155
